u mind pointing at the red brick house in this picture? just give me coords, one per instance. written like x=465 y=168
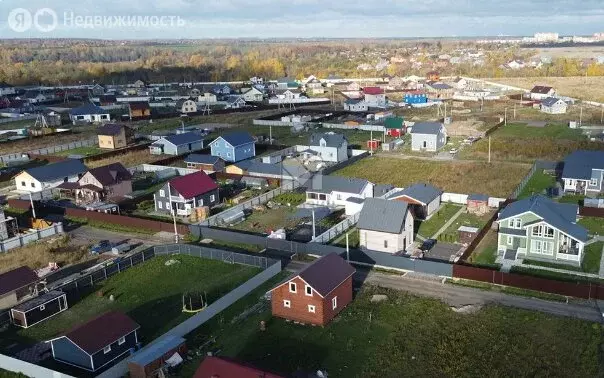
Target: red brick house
x=317 y=294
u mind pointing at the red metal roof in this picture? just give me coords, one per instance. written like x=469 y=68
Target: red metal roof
x=102 y=331
x=16 y=279
x=194 y=184
x=373 y=90
x=214 y=367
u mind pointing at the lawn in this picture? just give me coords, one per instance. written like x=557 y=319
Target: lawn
x=592 y=258
x=537 y=184
x=150 y=293
x=267 y=220
x=421 y=337
x=443 y=215
x=486 y=251
x=521 y=143
x=498 y=180
x=572 y=198
x=353 y=239
x=84 y=151
x=594 y=225
x=465 y=219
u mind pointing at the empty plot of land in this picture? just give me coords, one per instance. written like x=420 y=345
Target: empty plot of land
x=24 y=145
x=586 y=88
x=498 y=180
x=128 y=159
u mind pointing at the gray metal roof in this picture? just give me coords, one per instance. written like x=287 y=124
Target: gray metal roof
x=328 y=184
x=424 y=193
x=202 y=159
x=185 y=138
x=550 y=101
x=468 y=229
x=426 y=128
x=562 y=216
x=54 y=171
x=579 y=164
x=331 y=139
x=383 y=216
x=237 y=138
x=39 y=300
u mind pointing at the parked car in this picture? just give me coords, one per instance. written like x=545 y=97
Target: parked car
x=453 y=151
x=101 y=247
x=427 y=245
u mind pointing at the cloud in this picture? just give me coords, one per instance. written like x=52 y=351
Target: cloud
x=318 y=18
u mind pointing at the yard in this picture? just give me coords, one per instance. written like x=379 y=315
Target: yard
x=264 y=219
x=151 y=293
x=420 y=337
x=537 y=184
x=128 y=159
x=84 y=151
x=594 y=225
x=46 y=141
x=498 y=180
x=431 y=226
x=486 y=251
x=590 y=264
x=353 y=239
x=465 y=219
x=522 y=143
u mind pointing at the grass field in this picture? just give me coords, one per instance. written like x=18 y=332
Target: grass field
x=420 y=337
x=84 y=151
x=465 y=219
x=429 y=227
x=486 y=251
x=498 y=180
x=594 y=225
x=150 y=293
x=518 y=142
x=537 y=184
x=586 y=88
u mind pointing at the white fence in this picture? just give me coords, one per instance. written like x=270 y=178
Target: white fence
x=29 y=369
x=34 y=235
x=594 y=202
x=337 y=230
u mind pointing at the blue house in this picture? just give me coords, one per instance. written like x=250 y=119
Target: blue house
x=415 y=98
x=234 y=147
x=97 y=343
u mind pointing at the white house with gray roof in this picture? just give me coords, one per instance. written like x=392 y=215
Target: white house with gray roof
x=553 y=105
x=583 y=173
x=385 y=226
x=329 y=147
x=334 y=191
x=428 y=136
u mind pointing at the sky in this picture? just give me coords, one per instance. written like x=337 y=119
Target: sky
x=199 y=19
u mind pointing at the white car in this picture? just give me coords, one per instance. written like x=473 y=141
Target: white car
x=453 y=151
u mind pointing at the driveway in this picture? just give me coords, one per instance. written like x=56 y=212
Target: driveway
x=443 y=251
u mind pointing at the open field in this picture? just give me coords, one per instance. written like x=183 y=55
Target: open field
x=38 y=254
x=420 y=337
x=498 y=180
x=128 y=159
x=150 y=293
x=429 y=227
x=518 y=142
x=586 y=88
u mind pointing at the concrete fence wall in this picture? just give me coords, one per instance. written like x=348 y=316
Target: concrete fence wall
x=51 y=150
x=337 y=230
x=34 y=235
x=462 y=199
x=28 y=369
x=146 y=168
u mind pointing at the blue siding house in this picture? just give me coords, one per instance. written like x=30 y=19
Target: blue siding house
x=234 y=147
x=415 y=98
x=98 y=343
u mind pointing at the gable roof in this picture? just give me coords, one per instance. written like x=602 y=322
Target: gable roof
x=541 y=89
x=221 y=367
x=50 y=172
x=373 y=90
x=331 y=139
x=237 y=138
x=16 y=279
x=111 y=174
x=383 y=216
x=394 y=122
x=562 y=216
x=579 y=164
x=39 y=300
x=101 y=331
x=139 y=105
x=110 y=129
x=424 y=193
x=426 y=128
x=284 y=170
x=551 y=101
x=193 y=184
x=87 y=109
x=185 y=138
x=181 y=102
x=327 y=273
x=328 y=184
x=201 y=159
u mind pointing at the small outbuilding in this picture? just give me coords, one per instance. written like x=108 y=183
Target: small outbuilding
x=424 y=199
x=467 y=234
x=478 y=204
x=36 y=310
x=150 y=361
x=15 y=285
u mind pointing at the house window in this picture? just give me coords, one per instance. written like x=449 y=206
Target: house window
x=159 y=205
x=311 y=309
x=292 y=287
x=287 y=304
x=510 y=240
x=42 y=308
x=212 y=198
x=33 y=184
x=107 y=349
x=538 y=230
x=593 y=182
x=385 y=243
x=23 y=183
x=334 y=303
x=517 y=223
x=167 y=205
x=549 y=232
x=308 y=290
x=162 y=193
x=121 y=341
x=339 y=197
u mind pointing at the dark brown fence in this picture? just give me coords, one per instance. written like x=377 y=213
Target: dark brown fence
x=591 y=212
x=580 y=290
x=483 y=232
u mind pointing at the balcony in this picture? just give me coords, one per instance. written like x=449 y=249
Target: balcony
x=569 y=254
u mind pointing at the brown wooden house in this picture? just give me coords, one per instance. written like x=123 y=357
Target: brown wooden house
x=317 y=294
x=139 y=109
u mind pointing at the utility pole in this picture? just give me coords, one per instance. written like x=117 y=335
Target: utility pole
x=31 y=202
x=514 y=110
x=175 y=229
x=347 y=248
x=581 y=117
x=505 y=117
x=602 y=115
x=270 y=132
x=489 y=149
x=314 y=232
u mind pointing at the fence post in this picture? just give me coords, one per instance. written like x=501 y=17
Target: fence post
x=91 y=280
